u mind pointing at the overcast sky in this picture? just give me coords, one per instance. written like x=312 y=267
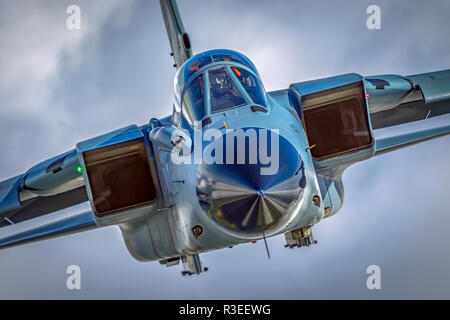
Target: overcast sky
x=60 y=86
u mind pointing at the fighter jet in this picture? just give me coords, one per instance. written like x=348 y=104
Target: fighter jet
x=232 y=164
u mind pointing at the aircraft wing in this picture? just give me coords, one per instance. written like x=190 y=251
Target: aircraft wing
x=353 y=106
x=178 y=38
x=396 y=100
x=115 y=172
x=32 y=203
x=48 y=187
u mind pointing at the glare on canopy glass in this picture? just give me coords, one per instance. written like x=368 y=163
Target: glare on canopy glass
x=193 y=108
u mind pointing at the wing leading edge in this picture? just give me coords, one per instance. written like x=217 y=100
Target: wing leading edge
x=178 y=38
x=396 y=100
x=46 y=227
x=49 y=186
x=30 y=203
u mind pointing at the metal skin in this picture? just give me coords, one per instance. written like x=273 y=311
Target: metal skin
x=240 y=199
x=204 y=205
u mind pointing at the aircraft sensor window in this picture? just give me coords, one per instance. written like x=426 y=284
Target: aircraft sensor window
x=252 y=85
x=224 y=93
x=193 y=101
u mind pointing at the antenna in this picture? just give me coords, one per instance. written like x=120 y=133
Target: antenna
x=267 y=247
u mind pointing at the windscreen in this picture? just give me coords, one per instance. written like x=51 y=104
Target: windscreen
x=193 y=101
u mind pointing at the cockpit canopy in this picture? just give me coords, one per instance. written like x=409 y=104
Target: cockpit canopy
x=215 y=81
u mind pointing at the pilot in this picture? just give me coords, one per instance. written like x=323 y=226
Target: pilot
x=224 y=94
x=221 y=85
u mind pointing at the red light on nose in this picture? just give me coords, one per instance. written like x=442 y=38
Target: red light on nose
x=367 y=95
x=254 y=241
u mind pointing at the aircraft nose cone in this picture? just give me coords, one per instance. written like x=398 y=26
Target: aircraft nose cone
x=242 y=197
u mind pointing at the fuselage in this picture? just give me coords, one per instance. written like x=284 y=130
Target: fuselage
x=248 y=173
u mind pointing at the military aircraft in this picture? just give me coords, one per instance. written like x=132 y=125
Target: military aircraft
x=232 y=164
